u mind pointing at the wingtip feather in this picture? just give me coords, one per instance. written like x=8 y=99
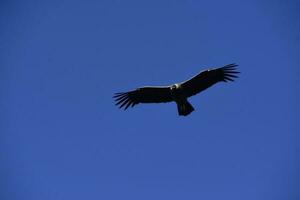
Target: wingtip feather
x=230 y=72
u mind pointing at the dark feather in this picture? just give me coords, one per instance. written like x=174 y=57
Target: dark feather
x=207 y=78
x=143 y=95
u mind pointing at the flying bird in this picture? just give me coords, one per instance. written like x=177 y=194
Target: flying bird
x=178 y=92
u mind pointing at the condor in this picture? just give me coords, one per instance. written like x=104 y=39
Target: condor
x=178 y=92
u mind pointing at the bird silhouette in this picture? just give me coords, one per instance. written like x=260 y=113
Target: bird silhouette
x=178 y=92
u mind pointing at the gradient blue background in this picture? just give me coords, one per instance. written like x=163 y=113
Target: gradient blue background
x=63 y=138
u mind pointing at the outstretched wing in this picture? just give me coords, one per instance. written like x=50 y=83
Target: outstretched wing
x=207 y=78
x=143 y=95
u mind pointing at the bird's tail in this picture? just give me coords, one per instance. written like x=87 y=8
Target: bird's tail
x=184 y=108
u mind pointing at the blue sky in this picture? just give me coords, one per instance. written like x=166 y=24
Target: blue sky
x=63 y=138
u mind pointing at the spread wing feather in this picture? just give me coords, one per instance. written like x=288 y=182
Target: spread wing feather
x=207 y=78
x=143 y=95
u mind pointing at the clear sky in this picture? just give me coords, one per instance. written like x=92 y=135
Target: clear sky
x=62 y=137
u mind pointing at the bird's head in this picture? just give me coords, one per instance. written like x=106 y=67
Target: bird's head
x=175 y=86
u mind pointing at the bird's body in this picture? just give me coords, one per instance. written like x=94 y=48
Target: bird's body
x=178 y=92
x=183 y=106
